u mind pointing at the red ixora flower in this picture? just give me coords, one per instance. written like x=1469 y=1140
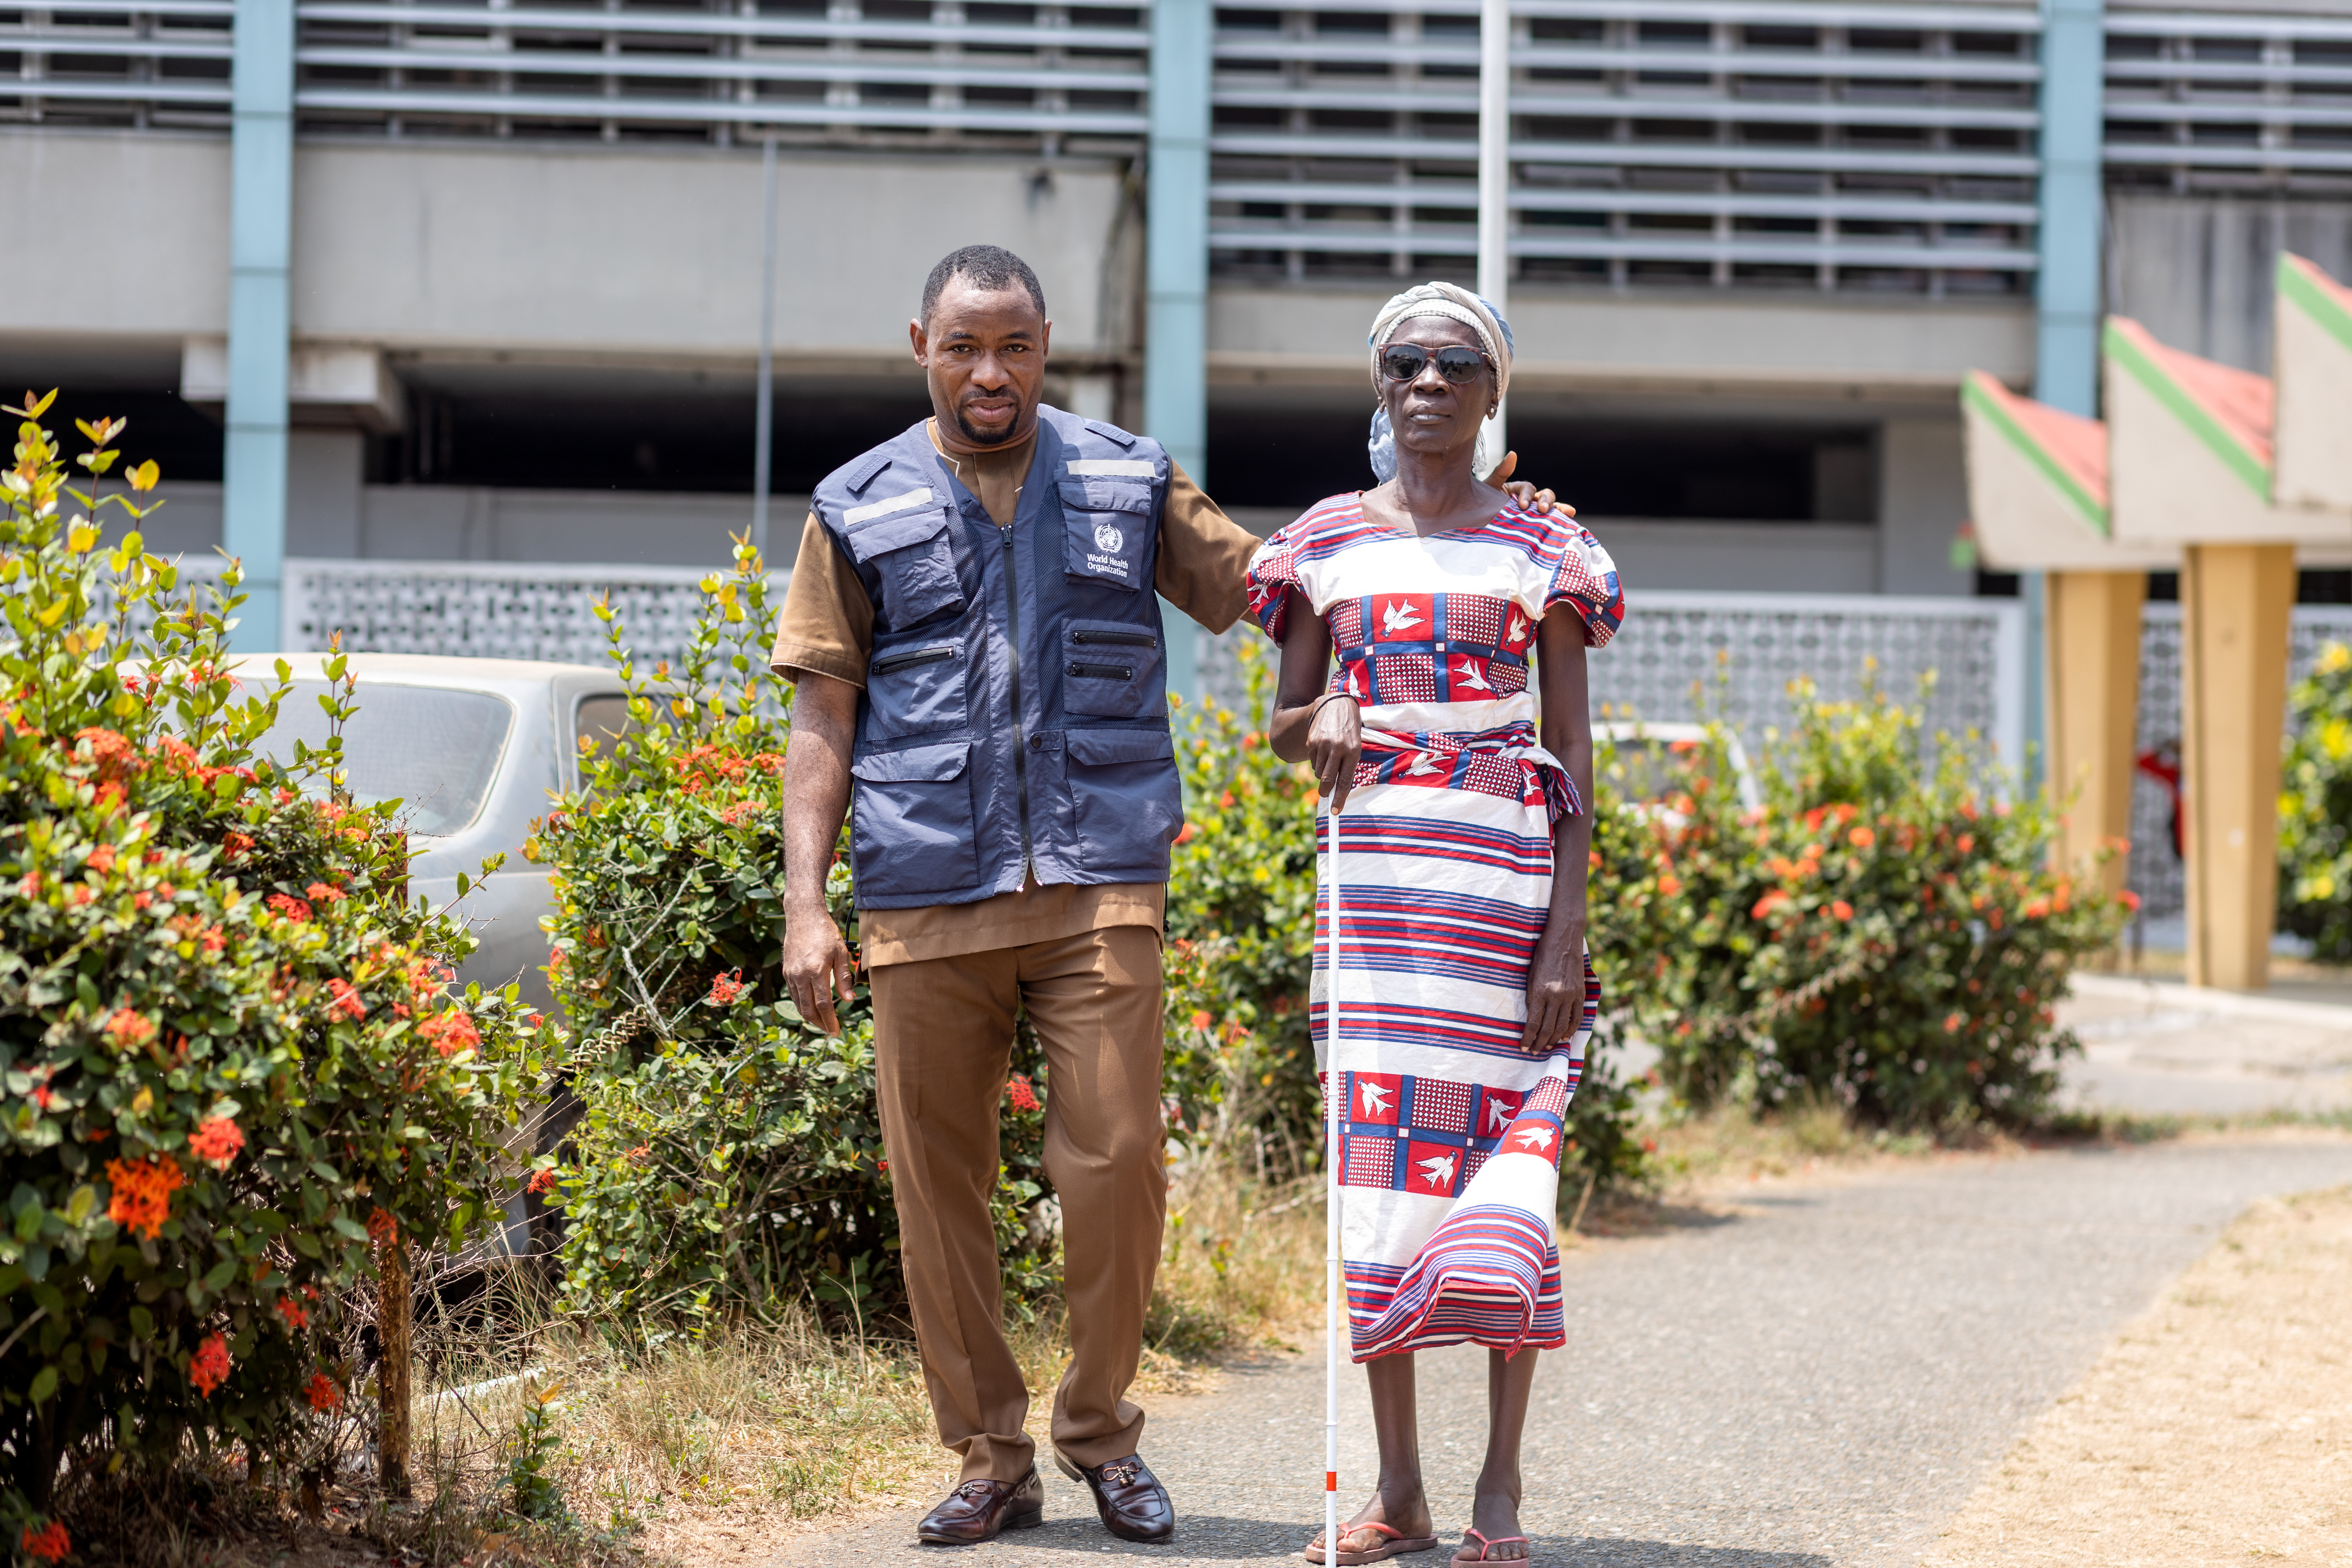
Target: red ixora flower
x=381 y=1226
x=1023 y=1097
x=291 y=1311
x=642 y=1152
x=321 y=1391
x=321 y=893
x=451 y=1032
x=216 y=1142
x=208 y=1368
x=286 y=904
x=541 y=1181
x=346 y=1000
x=726 y=989
x=127 y=1030
x=49 y=1543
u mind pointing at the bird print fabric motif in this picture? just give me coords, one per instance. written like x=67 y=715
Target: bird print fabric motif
x=1431 y=648
x=1416 y=1135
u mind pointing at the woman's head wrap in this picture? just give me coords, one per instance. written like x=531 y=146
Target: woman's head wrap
x=1454 y=304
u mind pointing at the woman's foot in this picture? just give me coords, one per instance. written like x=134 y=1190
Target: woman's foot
x=1379 y=1530
x=1494 y=1533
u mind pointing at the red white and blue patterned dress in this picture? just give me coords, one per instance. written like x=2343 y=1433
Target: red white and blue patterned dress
x=1453 y=1134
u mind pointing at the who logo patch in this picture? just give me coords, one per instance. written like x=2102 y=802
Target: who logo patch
x=1108 y=539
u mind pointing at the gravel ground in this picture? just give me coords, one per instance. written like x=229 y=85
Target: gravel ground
x=1811 y=1373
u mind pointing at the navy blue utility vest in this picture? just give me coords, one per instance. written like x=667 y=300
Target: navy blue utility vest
x=1015 y=713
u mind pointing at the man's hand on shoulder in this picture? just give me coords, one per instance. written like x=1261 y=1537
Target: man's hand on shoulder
x=1524 y=496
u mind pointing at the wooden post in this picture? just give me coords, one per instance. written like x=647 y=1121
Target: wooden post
x=392 y=1324
x=2235 y=600
x=2093 y=629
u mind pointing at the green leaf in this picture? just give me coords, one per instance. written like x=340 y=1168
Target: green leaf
x=45 y=1383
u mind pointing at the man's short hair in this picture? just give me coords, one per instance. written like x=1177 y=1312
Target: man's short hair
x=989 y=267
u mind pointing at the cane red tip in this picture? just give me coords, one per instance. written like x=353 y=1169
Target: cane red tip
x=1330 y=1480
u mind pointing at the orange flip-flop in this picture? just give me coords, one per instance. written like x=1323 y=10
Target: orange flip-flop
x=1484 y=1545
x=1395 y=1544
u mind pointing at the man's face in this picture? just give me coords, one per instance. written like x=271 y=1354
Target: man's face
x=984 y=352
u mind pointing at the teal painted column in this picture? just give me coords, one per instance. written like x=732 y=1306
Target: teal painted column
x=1176 y=265
x=2066 y=339
x=2066 y=285
x=260 y=323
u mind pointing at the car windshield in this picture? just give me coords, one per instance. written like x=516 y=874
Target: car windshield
x=1646 y=769
x=431 y=748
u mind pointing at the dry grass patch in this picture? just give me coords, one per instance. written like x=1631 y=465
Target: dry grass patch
x=2218 y=1428
x=707 y=1447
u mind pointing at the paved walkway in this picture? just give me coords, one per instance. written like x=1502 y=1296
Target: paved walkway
x=2160 y=1049
x=1819 y=1375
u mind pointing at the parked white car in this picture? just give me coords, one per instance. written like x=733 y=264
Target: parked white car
x=1641 y=750
x=474 y=748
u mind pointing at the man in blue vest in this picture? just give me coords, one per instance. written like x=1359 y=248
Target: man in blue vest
x=974 y=627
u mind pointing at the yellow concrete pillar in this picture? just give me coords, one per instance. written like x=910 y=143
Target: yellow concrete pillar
x=2235 y=600
x=2093 y=619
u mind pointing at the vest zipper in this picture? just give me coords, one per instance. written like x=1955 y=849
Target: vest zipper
x=1090 y=634
x=919 y=656
x=1103 y=671
x=1020 y=724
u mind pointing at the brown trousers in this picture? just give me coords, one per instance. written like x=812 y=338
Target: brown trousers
x=943 y=1045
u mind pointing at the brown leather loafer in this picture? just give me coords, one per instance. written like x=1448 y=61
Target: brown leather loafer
x=980 y=1511
x=1133 y=1504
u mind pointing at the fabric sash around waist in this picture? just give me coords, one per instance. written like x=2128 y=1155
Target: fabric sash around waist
x=1506 y=763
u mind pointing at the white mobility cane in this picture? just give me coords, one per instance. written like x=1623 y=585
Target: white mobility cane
x=1334 y=1093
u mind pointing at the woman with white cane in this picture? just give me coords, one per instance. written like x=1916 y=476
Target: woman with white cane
x=1455 y=968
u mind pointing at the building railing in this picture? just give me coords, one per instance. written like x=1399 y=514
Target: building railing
x=2229 y=102
x=1752 y=142
x=1807 y=144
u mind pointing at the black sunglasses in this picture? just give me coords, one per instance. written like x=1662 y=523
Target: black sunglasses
x=1406 y=361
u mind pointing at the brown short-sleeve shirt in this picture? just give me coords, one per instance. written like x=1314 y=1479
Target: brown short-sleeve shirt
x=827 y=629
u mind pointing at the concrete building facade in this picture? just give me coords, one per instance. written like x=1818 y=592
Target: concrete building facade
x=1756 y=244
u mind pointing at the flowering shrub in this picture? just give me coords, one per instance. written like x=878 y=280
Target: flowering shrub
x=2316 y=810
x=1241 y=916
x=730 y=1156
x=214 y=1016
x=1883 y=929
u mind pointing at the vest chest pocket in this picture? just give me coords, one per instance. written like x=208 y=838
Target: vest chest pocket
x=1108 y=669
x=911 y=828
x=915 y=560
x=917 y=687
x=1107 y=529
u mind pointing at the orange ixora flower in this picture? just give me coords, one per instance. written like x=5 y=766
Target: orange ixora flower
x=286 y=904
x=725 y=989
x=142 y=1191
x=381 y=1226
x=346 y=1001
x=208 y=1368
x=49 y=1543
x=1841 y=909
x=1023 y=1096
x=237 y=844
x=321 y=1391
x=320 y=892
x=127 y=1030
x=216 y=1143
x=451 y=1032
x=291 y=1311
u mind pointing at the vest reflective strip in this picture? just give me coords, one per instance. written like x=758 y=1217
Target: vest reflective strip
x=1122 y=468
x=858 y=514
